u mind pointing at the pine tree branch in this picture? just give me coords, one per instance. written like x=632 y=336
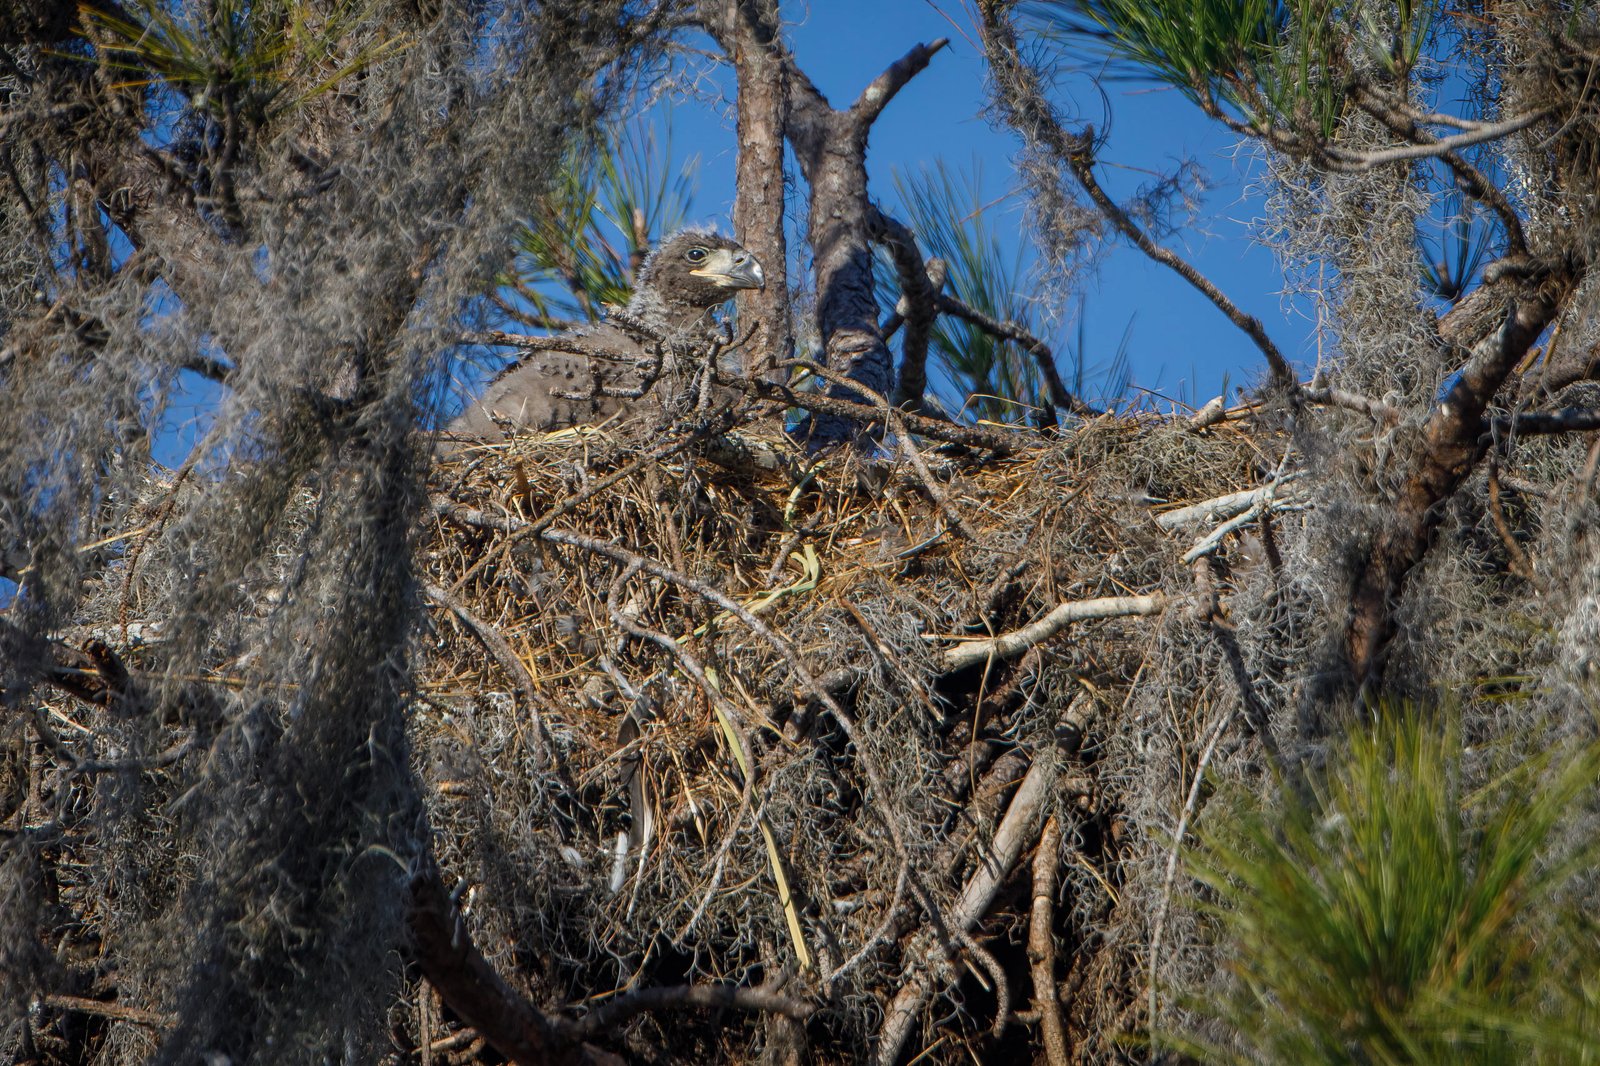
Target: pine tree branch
x=876 y=96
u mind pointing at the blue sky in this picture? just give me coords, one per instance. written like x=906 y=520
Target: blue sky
x=1179 y=343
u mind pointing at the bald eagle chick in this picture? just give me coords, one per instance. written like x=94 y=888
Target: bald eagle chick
x=690 y=274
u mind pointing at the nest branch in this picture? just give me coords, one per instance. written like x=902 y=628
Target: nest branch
x=995 y=865
x=498 y=647
x=765 y=1000
x=1000 y=442
x=1010 y=645
x=1042 y=943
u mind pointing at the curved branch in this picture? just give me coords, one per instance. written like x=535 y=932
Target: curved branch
x=1021 y=99
x=1010 y=645
x=1043 y=357
x=1082 y=165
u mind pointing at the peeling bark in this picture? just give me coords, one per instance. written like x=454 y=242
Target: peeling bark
x=748 y=31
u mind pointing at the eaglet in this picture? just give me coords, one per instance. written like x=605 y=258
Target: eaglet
x=597 y=369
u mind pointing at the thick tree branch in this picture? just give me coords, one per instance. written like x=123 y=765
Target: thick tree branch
x=117 y=1011
x=831 y=148
x=1567 y=420
x=876 y=96
x=1451 y=443
x=469 y=984
x=1353 y=401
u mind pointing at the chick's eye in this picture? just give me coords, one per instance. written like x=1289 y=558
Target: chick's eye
x=695 y=255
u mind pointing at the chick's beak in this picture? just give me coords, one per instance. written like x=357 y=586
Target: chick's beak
x=733 y=269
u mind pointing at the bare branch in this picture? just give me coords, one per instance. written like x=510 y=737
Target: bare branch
x=1043 y=357
x=876 y=96
x=1010 y=645
x=1082 y=164
x=1348 y=160
x=1222 y=507
x=1262 y=504
x=616 y=1012
x=1353 y=401
x=1002 y=442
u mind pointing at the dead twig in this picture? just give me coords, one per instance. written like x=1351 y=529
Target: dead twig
x=116 y=1011
x=1517 y=560
x=516 y=670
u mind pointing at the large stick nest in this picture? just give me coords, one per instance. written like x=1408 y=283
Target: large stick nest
x=638 y=788
x=716 y=745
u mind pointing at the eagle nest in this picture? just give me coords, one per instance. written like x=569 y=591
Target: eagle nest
x=789 y=727
x=718 y=752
